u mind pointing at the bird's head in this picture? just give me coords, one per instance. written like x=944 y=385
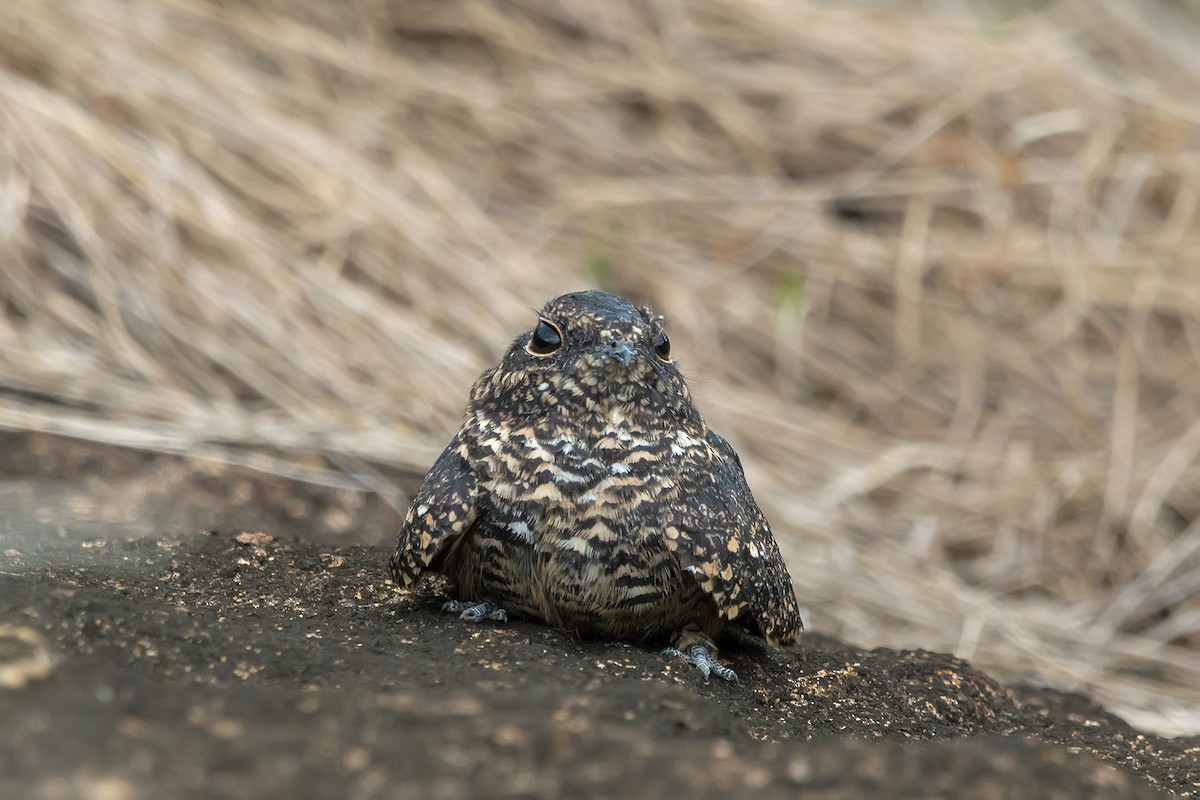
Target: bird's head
x=593 y=353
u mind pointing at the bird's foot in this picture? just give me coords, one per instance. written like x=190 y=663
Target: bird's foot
x=699 y=656
x=474 y=612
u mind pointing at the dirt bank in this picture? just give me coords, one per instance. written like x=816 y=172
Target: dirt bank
x=222 y=664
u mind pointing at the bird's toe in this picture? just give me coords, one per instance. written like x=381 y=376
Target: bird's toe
x=703 y=659
x=476 y=612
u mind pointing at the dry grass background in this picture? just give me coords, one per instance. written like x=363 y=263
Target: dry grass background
x=932 y=267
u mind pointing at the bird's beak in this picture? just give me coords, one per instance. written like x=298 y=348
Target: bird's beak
x=619 y=350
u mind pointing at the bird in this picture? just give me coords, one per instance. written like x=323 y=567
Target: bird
x=585 y=491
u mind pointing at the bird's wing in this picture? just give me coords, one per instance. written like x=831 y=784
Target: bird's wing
x=719 y=535
x=442 y=510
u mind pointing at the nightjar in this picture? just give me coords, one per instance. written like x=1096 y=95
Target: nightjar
x=585 y=490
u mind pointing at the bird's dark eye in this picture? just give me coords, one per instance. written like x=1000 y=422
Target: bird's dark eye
x=545 y=340
x=662 y=346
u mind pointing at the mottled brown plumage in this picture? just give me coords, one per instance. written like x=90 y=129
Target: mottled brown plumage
x=585 y=490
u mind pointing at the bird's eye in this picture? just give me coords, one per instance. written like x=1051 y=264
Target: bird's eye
x=545 y=340
x=662 y=346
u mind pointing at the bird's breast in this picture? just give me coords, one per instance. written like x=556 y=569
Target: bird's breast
x=579 y=493
x=572 y=532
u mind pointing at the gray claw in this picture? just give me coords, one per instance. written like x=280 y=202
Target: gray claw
x=474 y=612
x=699 y=656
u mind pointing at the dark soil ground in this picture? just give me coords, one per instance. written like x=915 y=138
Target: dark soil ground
x=232 y=664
